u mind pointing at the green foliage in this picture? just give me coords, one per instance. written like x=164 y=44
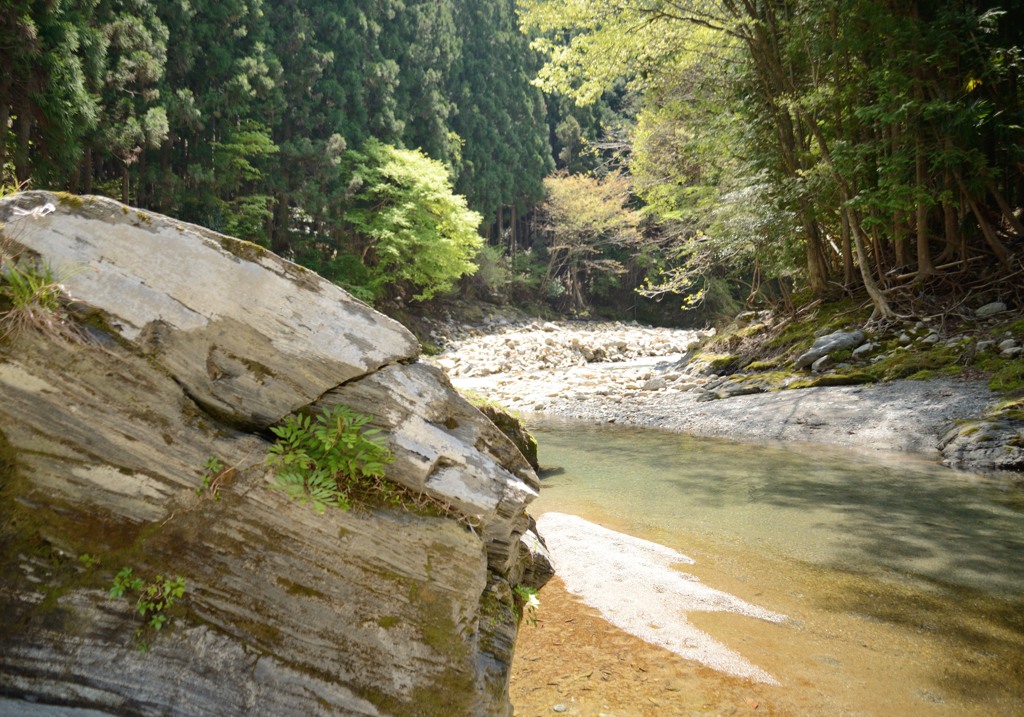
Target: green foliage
x=9 y=189
x=155 y=598
x=330 y=459
x=213 y=473
x=37 y=300
x=493 y=276
x=526 y=603
x=801 y=142
x=241 y=123
x=501 y=117
x=590 y=232
x=408 y=226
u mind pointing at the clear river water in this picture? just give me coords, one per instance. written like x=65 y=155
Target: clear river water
x=903 y=581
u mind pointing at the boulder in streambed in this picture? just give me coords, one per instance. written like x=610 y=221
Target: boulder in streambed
x=132 y=454
x=984 y=445
x=837 y=341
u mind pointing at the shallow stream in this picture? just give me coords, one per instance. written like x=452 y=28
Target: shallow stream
x=903 y=582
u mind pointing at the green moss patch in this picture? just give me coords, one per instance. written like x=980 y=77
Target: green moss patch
x=1011 y=409
x=938 y=360
x=852 y=378
x=1008 y=377
x=763 y=365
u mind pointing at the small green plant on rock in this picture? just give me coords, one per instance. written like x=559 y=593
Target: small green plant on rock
x=331 y=458
x=37 y=301
x=527 y=603
x=155 y=599
x=213 y=473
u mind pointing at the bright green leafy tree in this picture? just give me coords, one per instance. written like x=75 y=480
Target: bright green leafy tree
x=399 y=230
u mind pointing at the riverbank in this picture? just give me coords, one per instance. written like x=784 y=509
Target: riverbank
x=632 y=375
x=573 y=661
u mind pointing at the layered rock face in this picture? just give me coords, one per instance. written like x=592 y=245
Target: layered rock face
x=194 y=345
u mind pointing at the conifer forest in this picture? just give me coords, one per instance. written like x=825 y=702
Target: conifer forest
x=586 y=155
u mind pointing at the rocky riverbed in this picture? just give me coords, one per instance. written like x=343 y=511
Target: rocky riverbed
x=572 y=660
x=631 y=374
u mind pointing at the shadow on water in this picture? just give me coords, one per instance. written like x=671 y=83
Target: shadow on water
x=925 y=549
x=981 y=635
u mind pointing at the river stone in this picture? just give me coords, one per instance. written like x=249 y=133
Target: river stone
x=822 y=364
x=516 y=431
x=864 y=350
x=287 y=611
x=830 y=343
x=984 y=445
x=991 y=309
x=654 y=384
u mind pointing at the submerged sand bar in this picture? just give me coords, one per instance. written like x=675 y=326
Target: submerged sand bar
x=636 y=587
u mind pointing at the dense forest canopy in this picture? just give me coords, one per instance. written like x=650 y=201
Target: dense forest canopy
x=857 y=143
x=719 y=150
x=259 y=118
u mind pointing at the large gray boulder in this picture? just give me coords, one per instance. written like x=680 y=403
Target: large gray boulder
x=837 y=341
x=196 y=344
x=995 y=444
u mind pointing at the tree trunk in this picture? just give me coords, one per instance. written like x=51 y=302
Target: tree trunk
x=998 y=248
x=882 y=308
x=1004 y=207
x=876 y=252
x=949 y=222
x=899 y=241
x=279 y=232
x=5 y=117
x=986 y=229
x=125 y=183
x=817 y=270
x=925 y=268
x=22 y=170
x=847 y=251
x=513 y=239
x=501 y=222
x=87 y=170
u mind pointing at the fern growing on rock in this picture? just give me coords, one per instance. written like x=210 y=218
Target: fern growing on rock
x=329 y=459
